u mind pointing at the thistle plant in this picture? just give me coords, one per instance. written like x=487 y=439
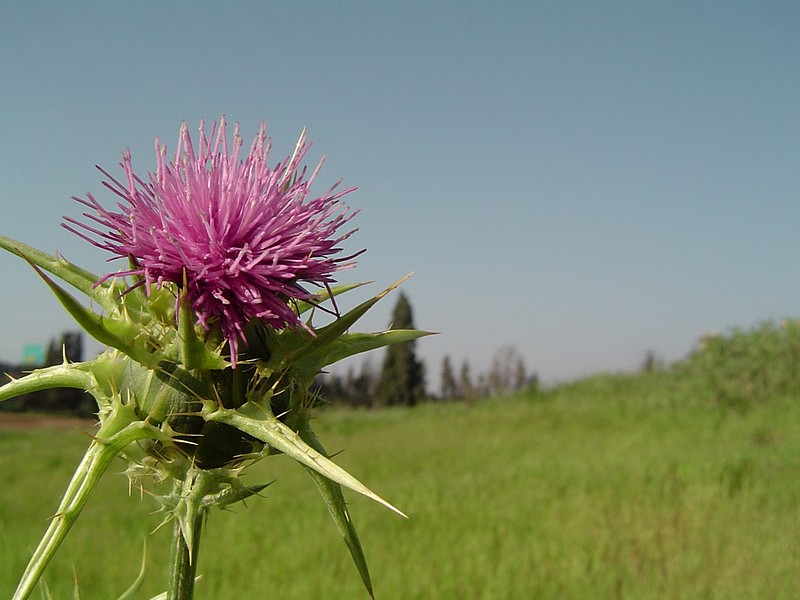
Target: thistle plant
x=211 y=343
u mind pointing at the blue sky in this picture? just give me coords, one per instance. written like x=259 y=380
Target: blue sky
x=584 y=181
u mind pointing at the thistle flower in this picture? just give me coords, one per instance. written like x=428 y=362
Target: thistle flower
x=240 y=240
x=235 y=243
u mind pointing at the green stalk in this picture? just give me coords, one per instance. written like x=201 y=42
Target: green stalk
x=183 y=560
x=88 y=473
x=91 y=468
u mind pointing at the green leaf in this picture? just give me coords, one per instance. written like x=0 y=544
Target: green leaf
x=74 y=275
x=255 y=420
x=122 y=334
x=194 y=353
x=302 y=306
x=235 y=492
x=165 y=390
x=331 y=493
x=350 y=344
x=331 y=332
x=131 y=592
x=303 y=352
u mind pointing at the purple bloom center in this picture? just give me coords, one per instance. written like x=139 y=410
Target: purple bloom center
x=238 y=238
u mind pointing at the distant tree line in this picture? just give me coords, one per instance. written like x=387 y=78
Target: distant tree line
x=401 y=379
x=67 y=401
x=507 y=375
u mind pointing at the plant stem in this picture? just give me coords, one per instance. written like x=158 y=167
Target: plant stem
x=91 y=468
x=183 y=563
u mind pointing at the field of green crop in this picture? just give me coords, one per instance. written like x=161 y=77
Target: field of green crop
x=613 y=487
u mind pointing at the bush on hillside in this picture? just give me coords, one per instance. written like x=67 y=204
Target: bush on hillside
x=745 y=367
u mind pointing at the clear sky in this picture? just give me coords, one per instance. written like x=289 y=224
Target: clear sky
x=585 y=181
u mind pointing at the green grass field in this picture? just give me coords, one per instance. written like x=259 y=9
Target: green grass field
x=613 y=487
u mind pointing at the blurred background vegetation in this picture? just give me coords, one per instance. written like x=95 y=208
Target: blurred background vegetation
x=676 y=481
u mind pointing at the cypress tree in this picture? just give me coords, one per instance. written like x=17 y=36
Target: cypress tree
x=402 y=378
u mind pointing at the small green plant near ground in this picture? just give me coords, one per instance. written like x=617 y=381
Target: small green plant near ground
x=610 y=487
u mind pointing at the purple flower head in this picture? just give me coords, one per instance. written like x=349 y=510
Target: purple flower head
x=238 y=238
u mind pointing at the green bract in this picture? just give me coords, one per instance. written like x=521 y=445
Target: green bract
x=170 y=404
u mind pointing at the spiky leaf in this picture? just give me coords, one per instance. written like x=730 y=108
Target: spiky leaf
x=257 y=421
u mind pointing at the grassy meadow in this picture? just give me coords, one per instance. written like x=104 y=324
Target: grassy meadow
x=611 y=487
